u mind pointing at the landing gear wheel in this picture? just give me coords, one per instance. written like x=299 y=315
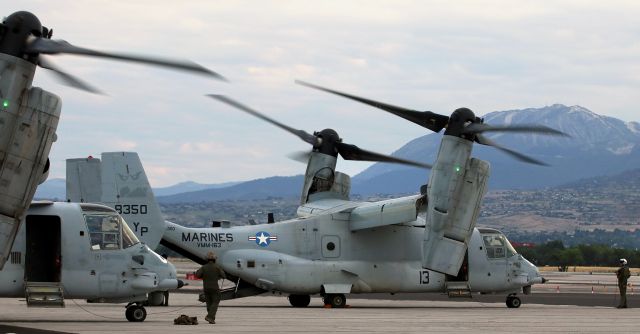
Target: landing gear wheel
x=136 y=313
x=299 y=300
x=513 y=302
x=335 y=300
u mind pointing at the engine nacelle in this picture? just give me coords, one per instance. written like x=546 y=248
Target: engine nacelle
x=320 y=175
x=28 y=121
x=455 y=191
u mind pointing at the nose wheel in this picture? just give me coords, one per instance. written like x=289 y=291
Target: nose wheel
x=513 y=302
x=135 y=313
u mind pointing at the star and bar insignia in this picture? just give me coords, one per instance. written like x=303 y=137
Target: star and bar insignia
x=263 y=239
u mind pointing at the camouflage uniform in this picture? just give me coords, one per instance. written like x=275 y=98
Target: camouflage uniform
x=210 y=274
x=623 y=275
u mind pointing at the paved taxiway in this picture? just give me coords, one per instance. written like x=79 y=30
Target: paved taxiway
x=272 y=314
x=565 y=304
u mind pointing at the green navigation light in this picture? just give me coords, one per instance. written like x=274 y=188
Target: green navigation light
x=5 y=103
x=457 y=169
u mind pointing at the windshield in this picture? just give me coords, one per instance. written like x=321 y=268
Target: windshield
x=128 y=237
x=497 y=246
x=108 y=231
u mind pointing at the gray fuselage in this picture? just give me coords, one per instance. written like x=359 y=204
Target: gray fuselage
x=57 y=244
x=309 y=255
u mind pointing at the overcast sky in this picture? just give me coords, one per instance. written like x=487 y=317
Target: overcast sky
x=425 y=55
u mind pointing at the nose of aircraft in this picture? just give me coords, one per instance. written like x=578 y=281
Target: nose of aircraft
x=534 y=273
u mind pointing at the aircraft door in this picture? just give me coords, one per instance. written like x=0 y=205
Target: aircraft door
x=498 y=252
x=330 y=246
x=43 y=259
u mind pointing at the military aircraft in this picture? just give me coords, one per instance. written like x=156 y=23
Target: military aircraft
x=452 y=196
x=83 y=251
x=350 y=247
x=449 y=207
x=29 y=115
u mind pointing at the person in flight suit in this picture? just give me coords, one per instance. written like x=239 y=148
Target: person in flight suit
x=210 y=273
x=623 y=274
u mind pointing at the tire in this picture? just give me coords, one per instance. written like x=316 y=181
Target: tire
x=299 y=300
x=127 y=314
x=513 y=302
x=136 y=313
x=335 y=300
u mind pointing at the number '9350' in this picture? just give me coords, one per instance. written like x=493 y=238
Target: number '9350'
x=131 y=209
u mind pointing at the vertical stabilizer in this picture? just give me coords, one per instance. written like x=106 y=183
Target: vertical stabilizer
x=84 y=180
x=120 y=182
x=125 y=188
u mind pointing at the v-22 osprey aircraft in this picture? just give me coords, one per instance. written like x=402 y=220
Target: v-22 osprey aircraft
x=355 y=239
x=83 y=251
x=350 y=248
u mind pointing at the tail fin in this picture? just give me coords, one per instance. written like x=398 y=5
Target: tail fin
x=124 y=186
x=84 y=180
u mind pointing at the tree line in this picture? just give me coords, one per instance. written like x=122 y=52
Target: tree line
x=554 y=253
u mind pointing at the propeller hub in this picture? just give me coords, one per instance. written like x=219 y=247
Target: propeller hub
x=460 y=118
x=17 y=28
x=327 y=142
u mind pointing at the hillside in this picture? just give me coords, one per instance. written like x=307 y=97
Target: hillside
x=591 y=205
x=607 y=202
x=271 y=187
x=599 y=145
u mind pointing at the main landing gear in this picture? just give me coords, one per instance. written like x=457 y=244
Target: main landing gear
x=336 y=300
x=135 y=312
x=299 y=300
x=513 y=301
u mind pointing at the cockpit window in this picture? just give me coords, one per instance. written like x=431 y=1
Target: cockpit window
x=497 y=246
x=108 y=231
x=128 y=237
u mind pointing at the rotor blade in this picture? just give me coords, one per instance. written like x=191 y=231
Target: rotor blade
x=47 y=46
x=480 y=127
x=309 y=138
x=353 y=152
x=299 y=156
x=67 y=78
x=426 y=119
x=486 y=141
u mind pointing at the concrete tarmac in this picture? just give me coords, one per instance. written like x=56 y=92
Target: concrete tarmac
x=568 y=303
x=272 y=314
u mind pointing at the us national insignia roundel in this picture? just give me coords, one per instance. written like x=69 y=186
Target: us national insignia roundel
x=263 y=239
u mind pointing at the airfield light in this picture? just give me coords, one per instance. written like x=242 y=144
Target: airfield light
x=5 y=103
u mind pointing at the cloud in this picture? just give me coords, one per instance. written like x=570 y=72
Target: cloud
x=427 y=55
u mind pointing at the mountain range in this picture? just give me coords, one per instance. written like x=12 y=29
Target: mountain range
x=597 y=146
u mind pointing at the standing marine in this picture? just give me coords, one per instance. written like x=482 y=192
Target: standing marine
x=210 y=273
x=623 y=275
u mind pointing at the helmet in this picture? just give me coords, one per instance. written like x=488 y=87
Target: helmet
x=623 y=261
x=211 y=256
